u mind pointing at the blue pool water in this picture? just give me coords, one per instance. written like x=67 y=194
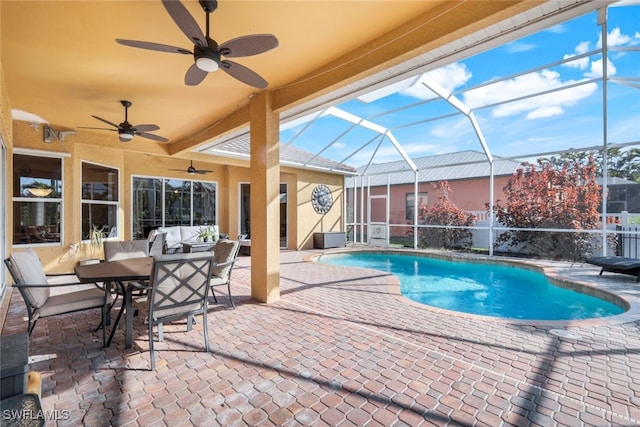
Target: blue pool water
x=479 y=288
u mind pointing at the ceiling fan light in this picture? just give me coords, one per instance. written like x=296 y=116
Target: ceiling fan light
x=207 y=64
x=126 y=136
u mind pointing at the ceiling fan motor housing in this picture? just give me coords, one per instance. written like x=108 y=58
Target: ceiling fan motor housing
x=207 y=57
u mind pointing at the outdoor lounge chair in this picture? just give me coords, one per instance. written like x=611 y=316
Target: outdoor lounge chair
x=226 y=254
x=178 y=288
x=617 y=264
x=30 y=279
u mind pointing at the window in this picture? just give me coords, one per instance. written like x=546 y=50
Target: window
x=37 y=199
x=99 y=199
x=410 y=203
x=159 y=202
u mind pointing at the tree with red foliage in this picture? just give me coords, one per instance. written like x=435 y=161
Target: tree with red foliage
x=447 y=215
x=547 y=196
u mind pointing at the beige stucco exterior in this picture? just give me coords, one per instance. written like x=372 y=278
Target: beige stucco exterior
x=302 y=220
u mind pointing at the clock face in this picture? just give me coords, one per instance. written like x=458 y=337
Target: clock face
x=321 y=199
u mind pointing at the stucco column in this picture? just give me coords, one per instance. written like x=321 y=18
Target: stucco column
x=265 y=199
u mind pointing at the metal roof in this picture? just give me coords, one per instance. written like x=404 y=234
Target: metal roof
x=451 y=166
x=239 y=147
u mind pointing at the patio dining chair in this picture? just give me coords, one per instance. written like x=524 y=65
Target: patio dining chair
x=226 y=254
x=178 y=289
x=30 y=279
x=122 y=249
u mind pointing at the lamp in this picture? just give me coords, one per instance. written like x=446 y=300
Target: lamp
x=125 y=135
x=40 y=192
x=207 y=64
x=207 y=58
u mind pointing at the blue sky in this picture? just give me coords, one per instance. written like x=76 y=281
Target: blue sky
x=571 y=118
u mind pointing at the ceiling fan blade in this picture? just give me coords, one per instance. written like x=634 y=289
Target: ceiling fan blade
x=86 y=127
x=248 y=45
x=185 y=22
x=145 y=128
x=202 y=172
x=154 y=46
x=152 y=136
x=194 y=76
x=177 y=170
x=244 y=74
x=106 y=121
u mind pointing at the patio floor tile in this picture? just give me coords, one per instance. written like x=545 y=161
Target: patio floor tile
x=340 y=348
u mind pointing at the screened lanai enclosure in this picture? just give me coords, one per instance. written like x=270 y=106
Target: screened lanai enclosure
x=523 y=138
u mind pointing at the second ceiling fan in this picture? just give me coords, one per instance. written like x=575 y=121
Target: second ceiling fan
x=191 y=170
x=206 y=51
x=126 y=131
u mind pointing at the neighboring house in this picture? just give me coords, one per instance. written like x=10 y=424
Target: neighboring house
x=623 y=195
x=467 y=173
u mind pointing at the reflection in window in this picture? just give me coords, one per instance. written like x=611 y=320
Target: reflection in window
x=146 y=205
x=99 y=199
x=177 y=202
x=37 y=199
x=165 y=202
x=410 y=204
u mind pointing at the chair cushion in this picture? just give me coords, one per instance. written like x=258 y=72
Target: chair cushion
x=172 y=236
x=189 y=234
x=74 y=301
x=115 y=250
x=224 y=251
x=28 y=271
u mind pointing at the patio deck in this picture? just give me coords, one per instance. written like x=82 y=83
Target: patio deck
x=340 y=349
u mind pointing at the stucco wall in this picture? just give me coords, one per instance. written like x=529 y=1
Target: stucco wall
x=107 y=150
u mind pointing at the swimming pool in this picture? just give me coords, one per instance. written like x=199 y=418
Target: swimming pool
x=479 y=288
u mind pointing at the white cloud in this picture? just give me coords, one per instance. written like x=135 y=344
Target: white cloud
x=557 y=29
x=450 y=77
x=339 y=145
x=520 y=47
x=615 y=38
x=582 y=63
x=535 y=107
x=596 y=69
x=451 y=127
x=543 y=112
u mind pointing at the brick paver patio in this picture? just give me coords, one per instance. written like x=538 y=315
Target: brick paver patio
x=340 y=348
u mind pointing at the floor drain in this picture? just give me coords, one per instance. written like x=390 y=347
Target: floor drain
x=564 y=334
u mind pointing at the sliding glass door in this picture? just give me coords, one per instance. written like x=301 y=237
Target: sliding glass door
x=245 y=212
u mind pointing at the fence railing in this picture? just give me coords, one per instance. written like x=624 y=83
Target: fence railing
x=628 y=241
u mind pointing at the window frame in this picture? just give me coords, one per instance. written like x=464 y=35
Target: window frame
x=409 y=205
x=163 y=180
x=90 y=202
x=21 y=199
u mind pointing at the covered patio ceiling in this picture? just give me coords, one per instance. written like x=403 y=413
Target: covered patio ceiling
x=61 y=64
x=389 y=116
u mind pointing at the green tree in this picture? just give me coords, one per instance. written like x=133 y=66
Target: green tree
x=621 y=163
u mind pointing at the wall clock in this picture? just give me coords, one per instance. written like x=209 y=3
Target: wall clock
x=321 y=199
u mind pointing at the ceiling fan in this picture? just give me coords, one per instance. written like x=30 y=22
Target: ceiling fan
x=192 y=170
x=126 y=130
x=206 y=51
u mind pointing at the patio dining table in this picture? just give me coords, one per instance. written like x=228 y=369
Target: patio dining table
x=119 y=272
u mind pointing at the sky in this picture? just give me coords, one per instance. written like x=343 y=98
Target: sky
x=570 y=118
